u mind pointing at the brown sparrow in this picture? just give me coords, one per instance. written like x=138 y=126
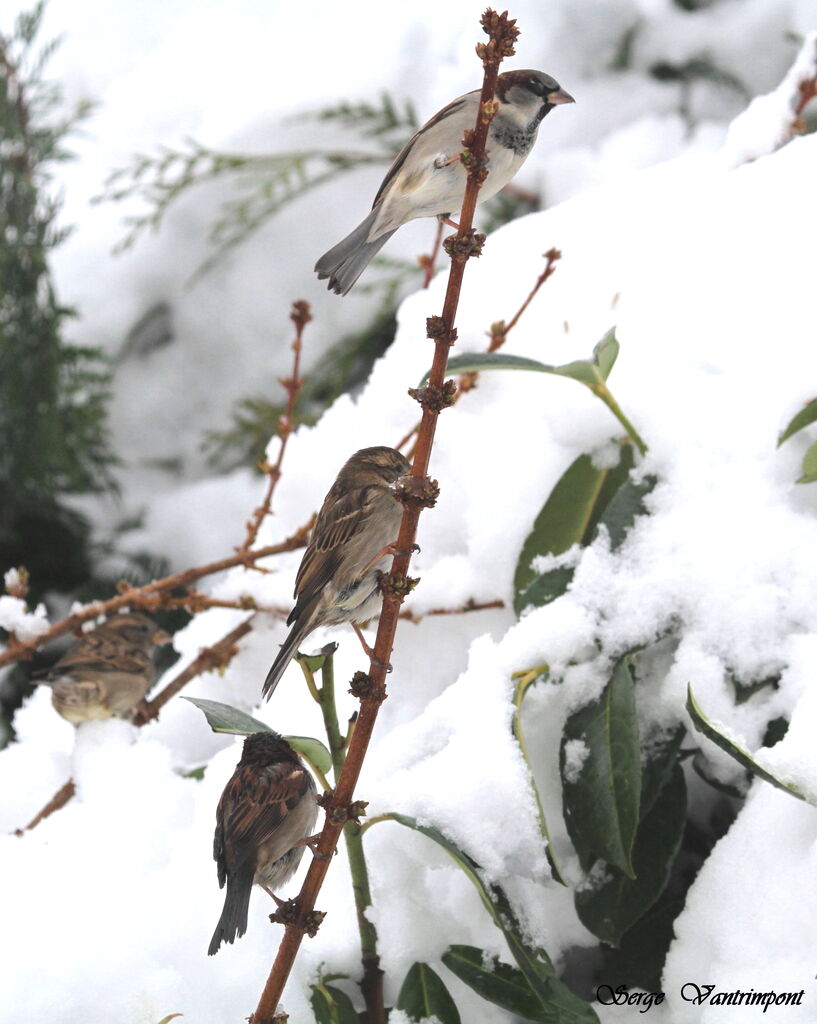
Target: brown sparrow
x=107 y=671
x=427 y=178
x=264 y=818
x=356 y=526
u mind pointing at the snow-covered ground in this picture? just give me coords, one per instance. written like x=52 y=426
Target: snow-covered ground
x=704 y=263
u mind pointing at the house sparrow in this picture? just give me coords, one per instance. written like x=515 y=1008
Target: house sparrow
x=264 y=818
x=337 y=579
x=107 y=671
x=427 y=178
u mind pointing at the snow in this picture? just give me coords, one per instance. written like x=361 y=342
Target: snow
x=704 y=263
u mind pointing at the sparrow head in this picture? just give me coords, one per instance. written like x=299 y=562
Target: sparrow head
x=531 y=93
x=265 y=748
x=80 y=701
x=137 y=629
x=379 y=465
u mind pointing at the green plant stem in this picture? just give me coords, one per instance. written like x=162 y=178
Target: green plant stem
x=372 y=984
x=603 y=392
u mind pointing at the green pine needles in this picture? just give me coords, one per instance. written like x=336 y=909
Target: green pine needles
x=52 y=395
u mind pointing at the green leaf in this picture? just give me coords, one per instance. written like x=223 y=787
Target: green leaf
x=703 y=769
x=606 y=352
x=590 y=372
x=809 y=466
x=806 y=416
x=601 y=803
x=625 y=507
x=341 y=1006
x=533 y=962
x=608 y=910
x=523 y=684
x=423 y=994
x=313 y=750
x=500 y=983
x=315 y=662
x=717 y=732
x=543 y=589
x=661 y=756
x=475 y=362
x=569 y=516
x=566 y=1008
x=226 y=719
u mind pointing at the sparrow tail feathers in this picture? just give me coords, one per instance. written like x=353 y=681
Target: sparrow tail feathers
x=284 y=656
x=345 y=262
x=233 y=920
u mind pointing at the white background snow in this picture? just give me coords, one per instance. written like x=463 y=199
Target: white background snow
x=704 y=261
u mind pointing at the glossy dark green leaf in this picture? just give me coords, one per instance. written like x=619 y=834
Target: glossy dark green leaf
x=423 y=994
x=226 y=719
x=703 y=770
x=498 y=983
x=544 y=589
x=601 y=802
x=568 y=517
x=610 y=908
x=806 y=416
x=809 y=474
x=716 y=732
x=625 y=507
x=564 y=1007
x=661 y=754
x=342 y=1008
x=745 y=691
x=532 y=961
x=331 y=1005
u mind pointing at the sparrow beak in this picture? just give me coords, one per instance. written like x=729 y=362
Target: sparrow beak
x=559 y=96
x=160 y=637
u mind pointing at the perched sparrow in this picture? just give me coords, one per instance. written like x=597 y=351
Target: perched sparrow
x=265 y=815
x=107 y=671
x=427 y=178
x=337 y=579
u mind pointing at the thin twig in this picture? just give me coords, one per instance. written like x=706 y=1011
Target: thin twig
x=500 y=330
x=300 y=316
x=418 y=492
x=428 y=262
x=469 y=606
x=150 y=596
x=498 y=334
x=58 y=800
x=217 y=656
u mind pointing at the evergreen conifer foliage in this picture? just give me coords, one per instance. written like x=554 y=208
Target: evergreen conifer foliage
x=52 y=395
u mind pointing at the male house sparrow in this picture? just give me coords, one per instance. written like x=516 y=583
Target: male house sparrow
x=427 y=178
x=107 y=671
x=337 y=579
x=264 y=817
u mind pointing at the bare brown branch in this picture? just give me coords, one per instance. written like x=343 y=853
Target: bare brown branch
x=150 y=596
x=300 y=316
x=501 y=32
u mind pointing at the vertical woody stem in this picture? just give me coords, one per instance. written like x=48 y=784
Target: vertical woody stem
x=372 y=985
x=372 y=688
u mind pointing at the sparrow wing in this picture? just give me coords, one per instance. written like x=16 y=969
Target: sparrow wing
x=253 y=808
x=99 y=652
x=430 y=137
x=342 y=517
